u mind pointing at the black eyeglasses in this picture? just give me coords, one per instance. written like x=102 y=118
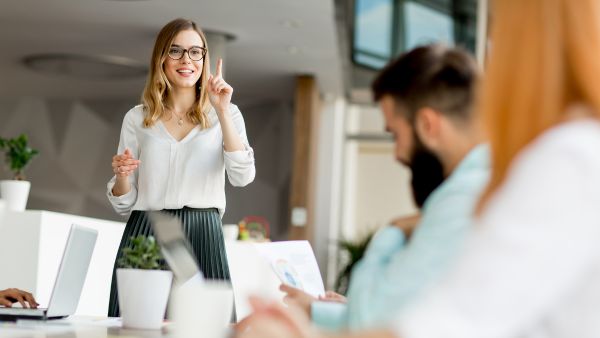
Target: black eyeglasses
x=194 y=53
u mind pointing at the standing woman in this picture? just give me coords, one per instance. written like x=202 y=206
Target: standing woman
x=176 y=147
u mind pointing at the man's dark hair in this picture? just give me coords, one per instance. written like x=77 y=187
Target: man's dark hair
x=434 y=76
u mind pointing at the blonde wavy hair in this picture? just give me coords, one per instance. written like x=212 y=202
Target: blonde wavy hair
x=157 y=88
x=545 y=56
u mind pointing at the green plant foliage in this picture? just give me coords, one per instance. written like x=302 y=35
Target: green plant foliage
x=18 y=154
x=144 y=254
x=354 y=250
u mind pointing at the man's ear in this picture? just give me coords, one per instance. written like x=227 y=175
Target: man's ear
x=428 y=126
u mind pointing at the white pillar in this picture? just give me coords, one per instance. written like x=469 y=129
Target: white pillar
x=328 y=200
x=481 y=41
x=217 y=43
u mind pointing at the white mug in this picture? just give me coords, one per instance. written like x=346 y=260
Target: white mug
x=2 y=208
x=231 y=232
x=202 y=309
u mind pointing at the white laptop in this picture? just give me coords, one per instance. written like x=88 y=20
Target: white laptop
x=69 y=280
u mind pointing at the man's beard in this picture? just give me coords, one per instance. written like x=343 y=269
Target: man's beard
x=427 y=172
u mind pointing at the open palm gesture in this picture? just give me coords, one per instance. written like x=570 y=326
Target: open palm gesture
x=219 y=91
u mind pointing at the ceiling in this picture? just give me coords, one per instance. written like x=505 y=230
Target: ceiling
x=274 y=40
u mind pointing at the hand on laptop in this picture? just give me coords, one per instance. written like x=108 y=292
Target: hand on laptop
x=10 y=296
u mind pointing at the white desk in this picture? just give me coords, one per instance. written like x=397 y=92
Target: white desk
x=78 y=326
x=31 y=251
x=33 y=243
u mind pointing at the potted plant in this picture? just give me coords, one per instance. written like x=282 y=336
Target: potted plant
x=143 y=284
x=18 y=155
x=354 y=251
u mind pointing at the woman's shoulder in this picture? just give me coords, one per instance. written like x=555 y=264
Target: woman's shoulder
x=569 y=147
x=234 y=111
x=581 y=137
x=135 y=114
x=136 y=111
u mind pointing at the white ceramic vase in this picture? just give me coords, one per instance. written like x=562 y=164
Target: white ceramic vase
x=143 y=296
x=15 y=194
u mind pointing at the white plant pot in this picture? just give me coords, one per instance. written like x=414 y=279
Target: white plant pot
x=15 y=194
x=143 y=296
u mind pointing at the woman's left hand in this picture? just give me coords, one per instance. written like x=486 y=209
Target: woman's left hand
x=219 y=91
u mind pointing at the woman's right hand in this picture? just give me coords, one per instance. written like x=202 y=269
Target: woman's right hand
x=123 y=165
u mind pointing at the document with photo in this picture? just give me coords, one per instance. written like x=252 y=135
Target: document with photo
x=295 y=264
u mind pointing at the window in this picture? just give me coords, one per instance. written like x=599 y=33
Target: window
x=373 y=32
x=385 y=28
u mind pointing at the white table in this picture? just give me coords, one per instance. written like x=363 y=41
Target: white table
x=78 y=326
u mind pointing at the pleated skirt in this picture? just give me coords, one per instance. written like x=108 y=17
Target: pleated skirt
x=203 y=230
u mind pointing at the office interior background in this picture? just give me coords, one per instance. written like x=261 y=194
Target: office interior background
x=301 y=72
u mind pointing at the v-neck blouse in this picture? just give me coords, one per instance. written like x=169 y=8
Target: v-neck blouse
x=190 y=172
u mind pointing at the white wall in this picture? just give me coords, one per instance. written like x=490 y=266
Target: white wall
x=379 y=184
x=77 y=139
x=373 y=188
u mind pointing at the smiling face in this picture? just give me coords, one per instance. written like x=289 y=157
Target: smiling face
x=184 y=73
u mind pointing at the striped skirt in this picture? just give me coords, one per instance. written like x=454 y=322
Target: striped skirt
x=202 y=228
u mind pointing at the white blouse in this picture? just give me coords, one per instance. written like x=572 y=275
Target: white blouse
x=173 y=174
x=532 y=266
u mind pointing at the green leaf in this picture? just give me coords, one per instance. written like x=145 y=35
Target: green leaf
x=17 y=154
x=354 y=251
x=144 y=253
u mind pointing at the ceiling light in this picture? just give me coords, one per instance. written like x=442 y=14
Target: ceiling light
x=86 y=66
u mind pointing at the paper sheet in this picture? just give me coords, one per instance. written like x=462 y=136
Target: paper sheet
x=252 y=270
x=295 y=264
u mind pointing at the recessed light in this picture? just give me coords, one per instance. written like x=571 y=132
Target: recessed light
x=291 y=23
x=293 y=50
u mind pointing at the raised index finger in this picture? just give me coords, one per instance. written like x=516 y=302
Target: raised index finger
x=219 y=67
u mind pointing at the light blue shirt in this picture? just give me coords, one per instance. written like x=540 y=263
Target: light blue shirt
x=394 y=272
